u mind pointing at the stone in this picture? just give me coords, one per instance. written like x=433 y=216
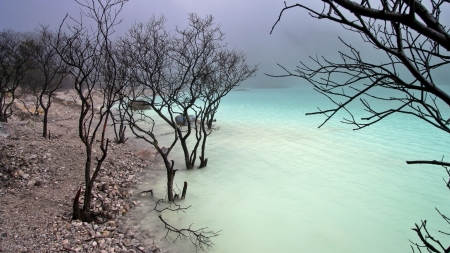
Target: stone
x=129 y=234
x=127 y=207
x=104 y=187
x=19 y=173
x=105 y=233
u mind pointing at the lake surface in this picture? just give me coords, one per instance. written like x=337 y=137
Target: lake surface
x=276 y=183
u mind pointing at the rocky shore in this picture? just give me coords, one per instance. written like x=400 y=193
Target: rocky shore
x=39 y=178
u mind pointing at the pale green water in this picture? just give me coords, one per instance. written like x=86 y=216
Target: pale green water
x=276 y=183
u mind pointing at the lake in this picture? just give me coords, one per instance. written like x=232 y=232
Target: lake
x=275 y=182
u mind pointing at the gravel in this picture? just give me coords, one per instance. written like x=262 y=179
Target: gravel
x=40 y=177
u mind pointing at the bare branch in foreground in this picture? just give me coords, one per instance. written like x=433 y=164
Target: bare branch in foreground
x=199 y=237
x=434 y=162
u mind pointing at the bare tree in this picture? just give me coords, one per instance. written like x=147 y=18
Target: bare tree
x=416 y=45
x=147 y=46
x=49 y=71
x=14 y=62
x=194 y=55
x=200 y=238
x=229 y=71
x=89 y=54
x=118 y=115
x=204 y=70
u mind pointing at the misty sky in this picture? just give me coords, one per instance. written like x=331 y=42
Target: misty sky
x=247 y=25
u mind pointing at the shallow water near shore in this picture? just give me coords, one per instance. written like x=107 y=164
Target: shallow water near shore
x=276 y=183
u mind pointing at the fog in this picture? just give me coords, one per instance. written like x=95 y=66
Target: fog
x=247 y=25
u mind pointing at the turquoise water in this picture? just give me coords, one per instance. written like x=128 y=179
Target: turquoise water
x=277 y=183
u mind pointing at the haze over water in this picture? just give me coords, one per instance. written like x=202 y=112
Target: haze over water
x=276 y=183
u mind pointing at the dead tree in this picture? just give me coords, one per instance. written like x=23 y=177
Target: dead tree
x=414 y=42
x=228 y=72
x=14 y=62
x=198 y=53
x=142 y=127
x=49 y=71
x=88 y=53
x=148 y=45
x=118 y=115
x=194 y=53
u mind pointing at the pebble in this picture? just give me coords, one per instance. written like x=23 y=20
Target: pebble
x=110 y=196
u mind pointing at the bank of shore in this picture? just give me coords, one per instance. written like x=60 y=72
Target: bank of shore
x=39 y=178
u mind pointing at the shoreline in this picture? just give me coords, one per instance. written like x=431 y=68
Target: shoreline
x=39 y=179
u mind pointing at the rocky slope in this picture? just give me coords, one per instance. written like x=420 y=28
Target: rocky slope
x=39 y=179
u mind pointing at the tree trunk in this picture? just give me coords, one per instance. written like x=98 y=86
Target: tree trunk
x=170 y=176
x=121 y=137
x=210 y=122
x=85 y=213
x=203 y=162
x=44 y=131
x=76 y=206
x=183 y=195
x=3 y=117
x=187 y=160
x=87 y=174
